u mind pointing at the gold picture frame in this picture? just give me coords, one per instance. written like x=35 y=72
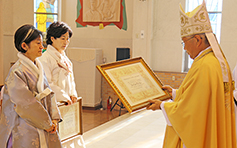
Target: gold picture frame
x=134 y=82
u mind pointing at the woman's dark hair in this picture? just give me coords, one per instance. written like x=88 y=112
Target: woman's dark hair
x=25 y=33
x=56 y=30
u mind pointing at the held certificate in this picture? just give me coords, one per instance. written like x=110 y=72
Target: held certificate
x=134 y=82
x=71 y=125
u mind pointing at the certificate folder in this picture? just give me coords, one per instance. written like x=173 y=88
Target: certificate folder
x=134 y=82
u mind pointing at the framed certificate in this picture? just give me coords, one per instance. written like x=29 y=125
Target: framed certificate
x=134 y=82
x=72 y=120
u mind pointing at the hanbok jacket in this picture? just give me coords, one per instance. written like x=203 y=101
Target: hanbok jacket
x=59 y=72
x=26 y=112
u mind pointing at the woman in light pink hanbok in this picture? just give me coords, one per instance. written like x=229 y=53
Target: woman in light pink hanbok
x=30 y=114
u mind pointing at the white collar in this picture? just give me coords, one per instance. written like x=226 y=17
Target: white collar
x=202 y=52
x=55 y=53
x=36 y=69
x=61 y=58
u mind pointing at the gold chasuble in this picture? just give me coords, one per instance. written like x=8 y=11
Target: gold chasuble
x=202 y=114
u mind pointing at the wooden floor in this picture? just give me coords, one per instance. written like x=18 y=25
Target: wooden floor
x=94 y=118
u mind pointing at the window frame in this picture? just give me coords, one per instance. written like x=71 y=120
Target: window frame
x=58 y=17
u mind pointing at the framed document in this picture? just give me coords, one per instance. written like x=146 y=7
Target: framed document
x=134 y=82
x=72 y=120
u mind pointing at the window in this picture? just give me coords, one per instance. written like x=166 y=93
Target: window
x=214 y=8
x=45 y=13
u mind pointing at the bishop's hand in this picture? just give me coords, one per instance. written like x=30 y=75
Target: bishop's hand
x=154 y=105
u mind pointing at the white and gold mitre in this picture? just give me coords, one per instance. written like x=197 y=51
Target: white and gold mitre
x=196 y=21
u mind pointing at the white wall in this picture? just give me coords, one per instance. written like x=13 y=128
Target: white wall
x=107 y=39
x=166 y=45
x=166 y=50
x=139 y=18
x=1 y=44
x=159 y=19
x=14 y=14
x=142 y=18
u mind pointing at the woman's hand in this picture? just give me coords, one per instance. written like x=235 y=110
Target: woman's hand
x=53 y=128
x=69 y=102
x=55 y=123
x=74 y=99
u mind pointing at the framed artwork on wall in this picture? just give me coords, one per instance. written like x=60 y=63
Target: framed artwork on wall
x=101 y=13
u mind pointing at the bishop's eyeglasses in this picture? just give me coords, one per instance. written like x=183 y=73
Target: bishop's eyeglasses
x=183 y=42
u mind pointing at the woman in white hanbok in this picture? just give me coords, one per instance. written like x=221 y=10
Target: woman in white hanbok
x=30 y=114
x=57 y=66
